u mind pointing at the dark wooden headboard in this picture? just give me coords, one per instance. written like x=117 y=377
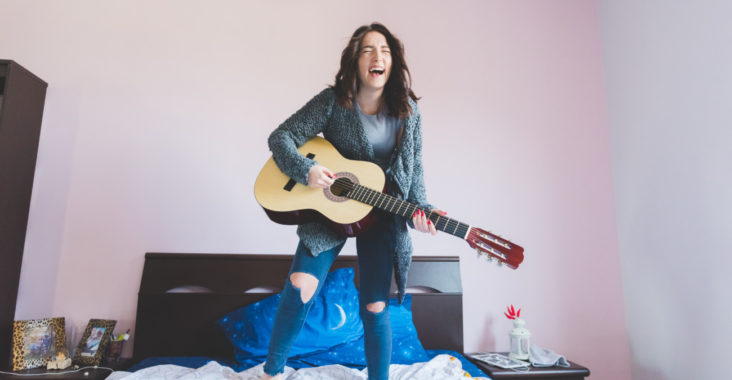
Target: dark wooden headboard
x=182 y=295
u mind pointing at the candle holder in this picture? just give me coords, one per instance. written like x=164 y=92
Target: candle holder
x=519 y=335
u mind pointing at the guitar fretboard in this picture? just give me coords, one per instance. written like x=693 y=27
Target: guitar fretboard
x=405 y=209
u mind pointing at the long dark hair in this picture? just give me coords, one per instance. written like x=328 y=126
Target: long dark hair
x=398 y=86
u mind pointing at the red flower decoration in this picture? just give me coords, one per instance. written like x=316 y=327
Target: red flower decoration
x=511 y=313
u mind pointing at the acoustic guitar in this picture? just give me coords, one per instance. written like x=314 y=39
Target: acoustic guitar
x=348 y=205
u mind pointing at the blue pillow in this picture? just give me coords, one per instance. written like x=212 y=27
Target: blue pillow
x=406 y=347
x=333 y=319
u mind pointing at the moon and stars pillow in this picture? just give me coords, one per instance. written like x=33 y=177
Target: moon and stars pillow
x=333 y=319
x=406 y=347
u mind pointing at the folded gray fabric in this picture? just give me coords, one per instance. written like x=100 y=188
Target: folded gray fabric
x=542 y=357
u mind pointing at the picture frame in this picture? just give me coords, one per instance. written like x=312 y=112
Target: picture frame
x=94 y=341
x=36 y=342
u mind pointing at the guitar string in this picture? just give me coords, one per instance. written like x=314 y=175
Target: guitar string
x=388 y=202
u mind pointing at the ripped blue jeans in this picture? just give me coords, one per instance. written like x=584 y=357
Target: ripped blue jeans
x=375 y=263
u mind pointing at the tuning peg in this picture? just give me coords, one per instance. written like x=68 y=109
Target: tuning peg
x=499 y=263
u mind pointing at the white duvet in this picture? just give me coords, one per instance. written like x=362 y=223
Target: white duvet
x=441 y=367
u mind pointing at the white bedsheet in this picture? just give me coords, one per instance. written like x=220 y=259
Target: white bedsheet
x=441 y=367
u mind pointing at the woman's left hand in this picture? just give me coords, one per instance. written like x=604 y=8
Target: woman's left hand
x=422 y=224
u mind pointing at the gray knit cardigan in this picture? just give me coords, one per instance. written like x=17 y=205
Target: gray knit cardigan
x=343 y=128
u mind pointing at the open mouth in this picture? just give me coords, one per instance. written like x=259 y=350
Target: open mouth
x=376 y=72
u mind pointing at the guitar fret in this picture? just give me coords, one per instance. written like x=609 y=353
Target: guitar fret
x=437 y=222
x=377 y=198
x=357 y=192
x=374 y=197
x=370 y=196
x=446 y=226
x=367 y=196
x=383 y=198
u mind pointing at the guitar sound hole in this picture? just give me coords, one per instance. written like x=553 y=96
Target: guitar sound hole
x=340 y=188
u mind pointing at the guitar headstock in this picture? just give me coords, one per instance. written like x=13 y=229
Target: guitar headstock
x=494 y=247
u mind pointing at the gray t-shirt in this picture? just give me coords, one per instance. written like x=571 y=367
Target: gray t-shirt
x=381 y=129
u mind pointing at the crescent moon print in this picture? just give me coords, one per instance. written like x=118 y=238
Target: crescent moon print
x=343 y=318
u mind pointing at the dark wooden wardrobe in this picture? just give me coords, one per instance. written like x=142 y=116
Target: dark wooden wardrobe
x=22 y=96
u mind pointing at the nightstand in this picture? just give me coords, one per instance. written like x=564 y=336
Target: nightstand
x=573 y=372
x=94 y=373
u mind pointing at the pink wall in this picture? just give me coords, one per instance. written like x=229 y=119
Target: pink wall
x=158 y=114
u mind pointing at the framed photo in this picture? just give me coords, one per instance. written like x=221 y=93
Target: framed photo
x=37 y=341
x=93 y=343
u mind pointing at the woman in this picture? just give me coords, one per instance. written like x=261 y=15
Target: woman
x=369 y=114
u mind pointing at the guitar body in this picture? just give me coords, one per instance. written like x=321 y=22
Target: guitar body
x=288 y=202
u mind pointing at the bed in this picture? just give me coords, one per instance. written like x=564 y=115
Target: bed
x=182 y=296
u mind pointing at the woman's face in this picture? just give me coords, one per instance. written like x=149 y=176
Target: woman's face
x=374 y=61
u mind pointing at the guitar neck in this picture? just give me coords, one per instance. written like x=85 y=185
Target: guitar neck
x=405 y=209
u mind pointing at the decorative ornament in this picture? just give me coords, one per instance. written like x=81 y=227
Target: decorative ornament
x=519 y=335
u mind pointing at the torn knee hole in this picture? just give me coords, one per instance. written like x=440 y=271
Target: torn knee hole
x=376 y=307
x=306 y=283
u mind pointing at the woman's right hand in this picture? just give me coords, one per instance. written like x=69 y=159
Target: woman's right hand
x=320 y=177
